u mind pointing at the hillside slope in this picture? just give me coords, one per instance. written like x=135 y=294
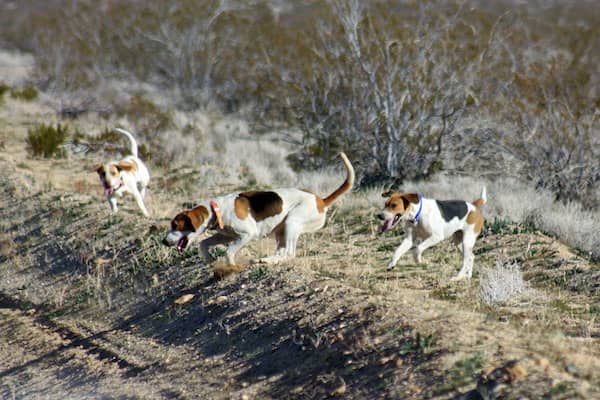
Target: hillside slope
x=89 y=304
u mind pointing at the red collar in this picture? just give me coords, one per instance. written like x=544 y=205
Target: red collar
x=217 y=211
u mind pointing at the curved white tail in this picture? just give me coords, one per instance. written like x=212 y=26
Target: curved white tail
x=134 y=145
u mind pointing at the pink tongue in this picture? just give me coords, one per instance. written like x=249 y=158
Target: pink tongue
x=182 y=243
x=387 y=225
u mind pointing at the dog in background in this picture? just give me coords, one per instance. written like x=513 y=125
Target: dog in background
x=124 y=176
x=241 y=217
x=432 y=221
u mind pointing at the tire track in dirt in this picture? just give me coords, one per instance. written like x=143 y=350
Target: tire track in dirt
x=41 y=359
x=70 y=338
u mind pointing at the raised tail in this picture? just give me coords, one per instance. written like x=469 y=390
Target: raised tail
x=346 y=186
x=134 y=145
x=481 y=200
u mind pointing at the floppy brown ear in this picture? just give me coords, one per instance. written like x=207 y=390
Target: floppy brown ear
x=125 y=166
x=410 y=198
x=197 y=216
x=97 y=168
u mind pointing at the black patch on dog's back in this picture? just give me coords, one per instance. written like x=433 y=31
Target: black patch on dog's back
x=452 y=208
x=263 y=204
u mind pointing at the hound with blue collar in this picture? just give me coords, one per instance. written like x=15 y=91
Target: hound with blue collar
x=432 y=221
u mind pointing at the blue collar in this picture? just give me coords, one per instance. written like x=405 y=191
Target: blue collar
x=416 y=220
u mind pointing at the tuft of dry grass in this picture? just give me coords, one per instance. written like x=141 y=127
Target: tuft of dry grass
x=502 y=284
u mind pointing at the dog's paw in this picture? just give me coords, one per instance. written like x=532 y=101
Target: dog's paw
x=268 y=260
x=459 y=277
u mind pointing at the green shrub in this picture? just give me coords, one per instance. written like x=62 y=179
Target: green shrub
x=46 y=140
x=147 y=115
x=3 y=89
x=28 y=93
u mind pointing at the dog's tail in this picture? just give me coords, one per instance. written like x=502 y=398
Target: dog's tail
x=346 y=186
x=134 y=145
x=481 y=200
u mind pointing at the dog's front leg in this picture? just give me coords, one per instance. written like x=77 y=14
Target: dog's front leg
x=112 y=200
x=214 y=240
x=403 y=248
x=235 y=246
x=424 y=245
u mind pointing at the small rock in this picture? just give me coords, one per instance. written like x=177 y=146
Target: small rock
x=297 y=390
x=544 y=364
x=340 y=390
x=571 y=369
x=184 y=299
x=385 y=360
x=221 y=299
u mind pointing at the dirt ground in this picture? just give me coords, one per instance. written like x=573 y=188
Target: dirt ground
x=92 y=306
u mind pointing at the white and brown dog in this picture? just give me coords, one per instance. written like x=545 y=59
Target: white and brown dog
x=241 y=217
x=119 y=177
x=432 y=221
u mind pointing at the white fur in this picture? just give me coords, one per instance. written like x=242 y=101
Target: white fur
x=432 y=229
x=124 y=181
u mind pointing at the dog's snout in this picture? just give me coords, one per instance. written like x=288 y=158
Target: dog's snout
x=381 y=216
x=165 y=242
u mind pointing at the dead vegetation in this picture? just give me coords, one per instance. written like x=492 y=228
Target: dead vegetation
x=97 y=299
x=452 y=95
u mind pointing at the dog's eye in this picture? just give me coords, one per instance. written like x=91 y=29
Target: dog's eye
x=393 y=205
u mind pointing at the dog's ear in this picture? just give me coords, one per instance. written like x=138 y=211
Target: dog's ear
x=125 y=166
x=97 y=168
x=410 y=198
x=197 y=216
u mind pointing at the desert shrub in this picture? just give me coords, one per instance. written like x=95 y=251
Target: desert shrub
x=502 y=284
x=405 y=88
x=386 y=86
x=109 y=141
x=28 y=93
x=148 y=116
x=4 y=88
x=46 y=140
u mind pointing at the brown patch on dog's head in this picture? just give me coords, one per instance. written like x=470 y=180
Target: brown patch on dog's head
x=190 y=220
x=398 y=203
x=395 y=207
x=475 y=218
x=263 y=205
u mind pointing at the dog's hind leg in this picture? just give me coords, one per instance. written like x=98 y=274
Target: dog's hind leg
x=287 y=239
x=467 y=249
x=140 y=202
